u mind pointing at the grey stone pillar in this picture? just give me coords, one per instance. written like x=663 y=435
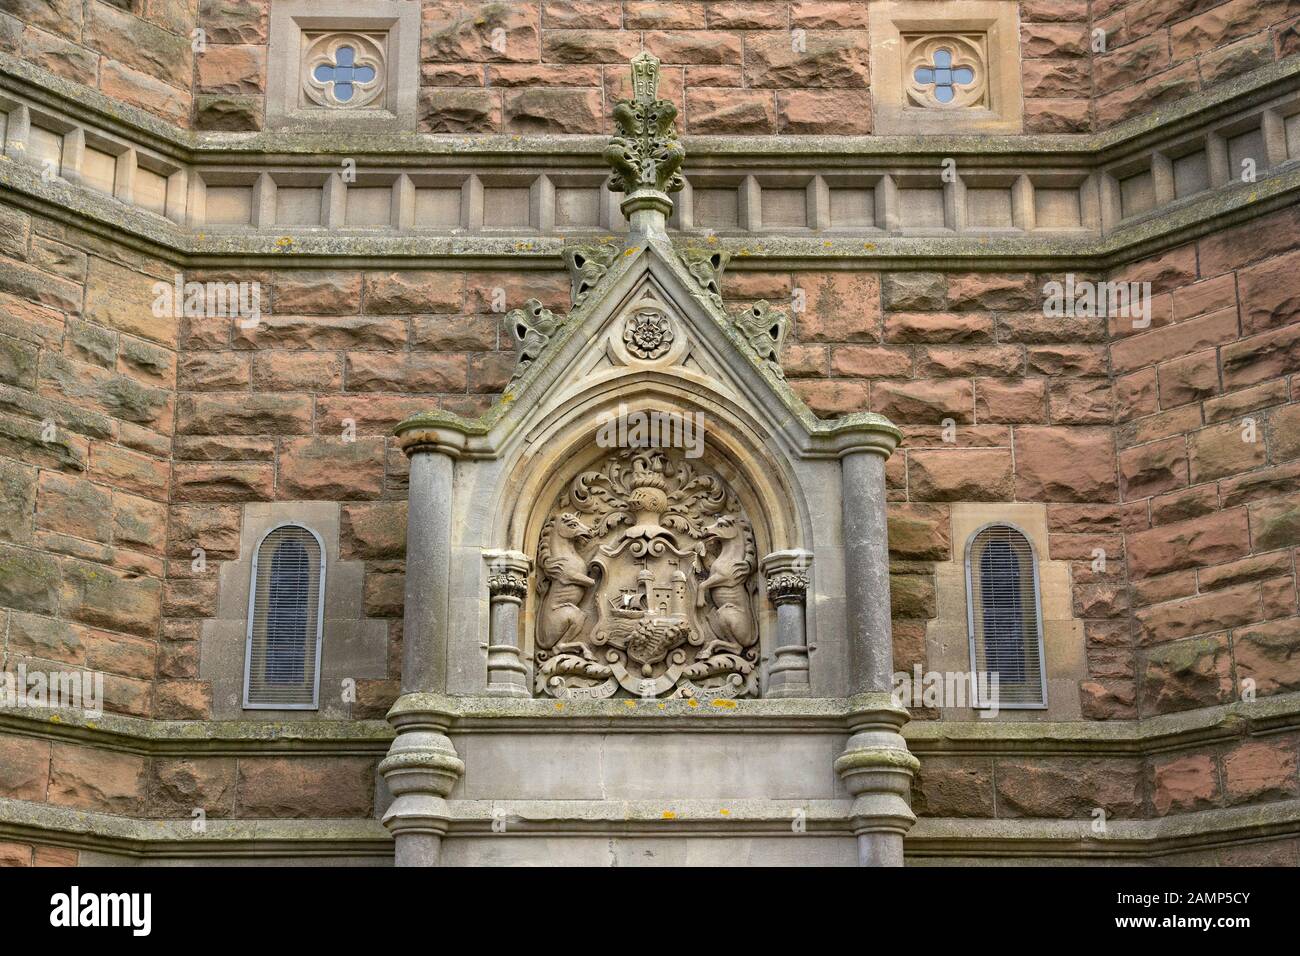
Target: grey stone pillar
x=877 y=769
x=428 y=566
x=422 y=766
x=507 y=587
x=875 y=766
x=786 y=574
x=866 y=571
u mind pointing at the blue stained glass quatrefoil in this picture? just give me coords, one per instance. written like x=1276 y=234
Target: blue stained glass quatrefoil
x=943 y=76
x=343 y=73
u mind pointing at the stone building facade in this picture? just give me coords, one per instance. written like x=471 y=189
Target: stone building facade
x=270 y=270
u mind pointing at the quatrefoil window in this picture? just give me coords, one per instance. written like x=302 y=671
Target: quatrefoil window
x=943 y=75
x=946 y=71
x=344 y=74
x=344 y=70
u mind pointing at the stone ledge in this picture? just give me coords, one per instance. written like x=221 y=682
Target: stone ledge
x=87 y=830
x=1177 y=224
x=1139 y=839
x=140 y=735
x=1151 y=735
x=472 y=715
x=929 y=838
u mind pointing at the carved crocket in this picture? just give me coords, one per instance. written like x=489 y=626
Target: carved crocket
x=532 y=327
x=764 y=328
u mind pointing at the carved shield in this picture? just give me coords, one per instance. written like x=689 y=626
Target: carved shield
x=647 y=584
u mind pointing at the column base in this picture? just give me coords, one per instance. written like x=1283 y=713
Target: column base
x=507 y=675
x=420 y=770
x=788 y=676
x=877 y=769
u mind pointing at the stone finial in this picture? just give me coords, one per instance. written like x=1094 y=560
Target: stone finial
x=645 y=153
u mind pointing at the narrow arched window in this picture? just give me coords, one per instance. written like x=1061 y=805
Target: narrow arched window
x=1005 y=620
x=286 y=604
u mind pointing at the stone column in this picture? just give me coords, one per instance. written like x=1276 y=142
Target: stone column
x=422 y=766
x=875 y=766
x=428 y=566
x=507 y=588
x=786 y=573
x=866 y=570
x=877 y=769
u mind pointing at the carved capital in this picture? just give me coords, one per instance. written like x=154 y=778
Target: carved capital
x=786 y=573
x=787 y=587
x=507 y=575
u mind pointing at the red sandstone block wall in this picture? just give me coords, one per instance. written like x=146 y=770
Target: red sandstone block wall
x=132 y=785
x=1229 y=774
x=1174 y=449
x=729 y=64
x=730 y=67
x=136 y=51
x=87 y=411
x=1158 y=51
x=1134 y=441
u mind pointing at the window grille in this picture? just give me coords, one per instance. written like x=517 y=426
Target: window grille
x=286 y=605
x=1005 y=618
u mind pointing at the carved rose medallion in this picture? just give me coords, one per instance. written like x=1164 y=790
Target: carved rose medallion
x=646 y=576
x=648 y=335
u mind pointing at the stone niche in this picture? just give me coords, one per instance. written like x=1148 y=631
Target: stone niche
x=649 y=533
x=639 y=523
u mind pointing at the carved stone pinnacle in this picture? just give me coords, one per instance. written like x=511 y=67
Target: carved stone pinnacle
x=645 y=153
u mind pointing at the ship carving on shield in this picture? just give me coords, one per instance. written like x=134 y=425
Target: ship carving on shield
x=646 y=577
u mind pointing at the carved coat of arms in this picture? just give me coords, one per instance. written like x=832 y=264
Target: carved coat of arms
x=646 y=577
